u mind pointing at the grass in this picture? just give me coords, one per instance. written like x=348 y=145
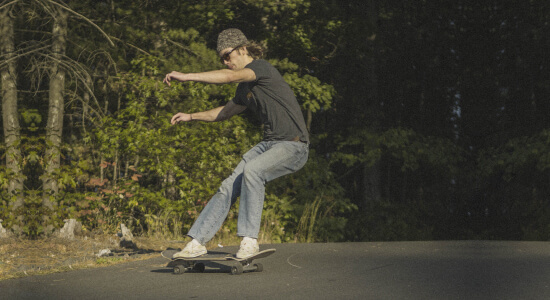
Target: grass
x=109 y=260
x=23 y=257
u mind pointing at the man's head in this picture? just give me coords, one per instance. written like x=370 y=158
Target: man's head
x=231 y=38
x=235 y=50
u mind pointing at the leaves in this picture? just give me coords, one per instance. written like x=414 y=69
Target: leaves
x=310 y=92
x=446 y=105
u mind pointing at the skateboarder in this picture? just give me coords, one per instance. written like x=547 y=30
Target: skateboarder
x=283 y=150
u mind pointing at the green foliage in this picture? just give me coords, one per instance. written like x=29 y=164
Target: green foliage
x=32 y=119
x=5 y=198
x=175 y=168
x=180 y=167
x=399 y=89
x=521 y=169
x=310 y=92
x=108 y=260
x=293 y=213
x=34 y=211
x=361 y=147
x=408 y=148
x=517 y=156
x=412 y=149
x=405 y=158
x=278 y=219
x=390 y=221
x=4 y=177
x=285 y=25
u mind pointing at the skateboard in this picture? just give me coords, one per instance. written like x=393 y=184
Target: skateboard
x=197 y=264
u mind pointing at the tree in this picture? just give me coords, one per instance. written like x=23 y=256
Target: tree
x=60 y=66
x=54 y=127
x=10 y=115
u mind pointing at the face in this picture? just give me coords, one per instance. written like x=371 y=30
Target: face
x=235 y=58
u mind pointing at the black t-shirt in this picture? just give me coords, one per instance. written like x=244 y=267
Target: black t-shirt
x=271 y=98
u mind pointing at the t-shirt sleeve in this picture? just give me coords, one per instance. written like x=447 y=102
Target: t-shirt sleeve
x=263 y=76
x=262 y=71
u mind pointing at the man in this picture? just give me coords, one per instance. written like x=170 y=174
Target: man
x=283 y=150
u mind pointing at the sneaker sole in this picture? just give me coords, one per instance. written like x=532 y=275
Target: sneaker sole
x=190 y=256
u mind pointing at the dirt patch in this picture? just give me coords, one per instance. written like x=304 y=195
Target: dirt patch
x=20 y=257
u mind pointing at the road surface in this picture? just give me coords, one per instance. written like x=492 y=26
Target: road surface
x=385 y=270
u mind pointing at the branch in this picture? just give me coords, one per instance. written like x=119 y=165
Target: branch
x=46 y=8
x=135 y=47
x=84 y=18
x=106 y=54
x=8 y=4
x=17 y=56
x=74 y=67
x=181 y=46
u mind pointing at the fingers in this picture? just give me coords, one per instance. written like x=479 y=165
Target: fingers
x=167 y=79
x=173 y=76
x=175 y=119
x=180 y=117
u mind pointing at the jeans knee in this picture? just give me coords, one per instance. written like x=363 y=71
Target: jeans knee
x=250 y=172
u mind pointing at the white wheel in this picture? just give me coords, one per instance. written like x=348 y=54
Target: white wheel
x=178 y=270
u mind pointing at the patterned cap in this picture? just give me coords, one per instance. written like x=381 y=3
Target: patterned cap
x=231 y=38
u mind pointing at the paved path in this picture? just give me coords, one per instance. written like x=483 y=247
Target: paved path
x=393 y=270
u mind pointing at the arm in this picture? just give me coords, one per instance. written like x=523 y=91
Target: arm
x=217 y=114
x=216 y=77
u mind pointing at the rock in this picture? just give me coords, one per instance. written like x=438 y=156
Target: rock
x=104 y=252
x=3 y=232
x=67 y=232
x=126 y=233
x=126 y=237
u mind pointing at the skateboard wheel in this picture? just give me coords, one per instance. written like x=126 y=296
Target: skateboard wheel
x=179 y=270
x=199 y=267
x=237 y=269
x=259 y=267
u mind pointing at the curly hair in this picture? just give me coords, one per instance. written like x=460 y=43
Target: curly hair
x=255 y=50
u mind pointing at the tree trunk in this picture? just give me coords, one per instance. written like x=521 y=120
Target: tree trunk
x=54 y=127
x=10 y=115
x=372 y=173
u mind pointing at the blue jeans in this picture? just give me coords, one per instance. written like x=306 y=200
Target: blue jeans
x=264 y=162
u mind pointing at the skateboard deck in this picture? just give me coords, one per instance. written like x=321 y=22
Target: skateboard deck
x=182 y=265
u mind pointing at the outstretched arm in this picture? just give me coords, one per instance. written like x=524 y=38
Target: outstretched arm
x=216 y=77
x=214 y=115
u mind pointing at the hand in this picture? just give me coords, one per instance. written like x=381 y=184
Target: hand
x=173 y=75
x=180 y=117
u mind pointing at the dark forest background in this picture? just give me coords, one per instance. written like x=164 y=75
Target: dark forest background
x=429 y=119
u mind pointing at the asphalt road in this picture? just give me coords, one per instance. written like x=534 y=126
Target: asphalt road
x=390 y=270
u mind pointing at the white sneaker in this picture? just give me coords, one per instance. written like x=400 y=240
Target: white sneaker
x=192 y=249
x=249 y=247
